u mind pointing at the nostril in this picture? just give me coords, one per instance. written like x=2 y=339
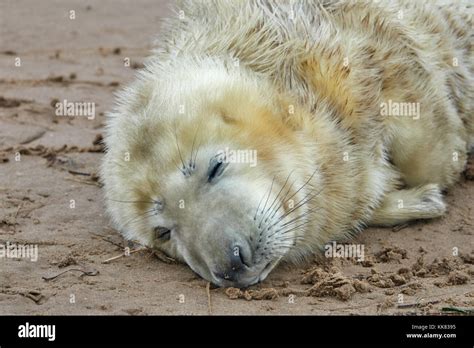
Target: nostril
x=224 y=276
x=242 y=261
x=237 y=258
x=236 y=266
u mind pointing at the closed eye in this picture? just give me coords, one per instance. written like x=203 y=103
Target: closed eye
x=162 y=233
x=216 y=167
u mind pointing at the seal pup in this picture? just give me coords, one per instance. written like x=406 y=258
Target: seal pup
x=360 y=113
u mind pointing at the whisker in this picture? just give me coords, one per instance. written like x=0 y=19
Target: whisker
x=191 y=162
x=300 y=217
x=283 y=245
x=197 y=151
x=278 y=252
x=261 y=200
x=306 y=183
x=281 y=248
x=281 y=232
x=258 y=207
x=293 y=239
x=181 y=170
x=278 y=195
x=115 y=200
x=302 y=202
x=268 y=196
x=269 y=193
x=135 y=219
x=284 y=200
x=294 y=228
x=177 y=145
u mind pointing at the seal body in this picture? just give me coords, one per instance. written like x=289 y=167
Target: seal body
x=358 y=113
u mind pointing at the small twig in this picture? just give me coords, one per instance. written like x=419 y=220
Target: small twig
x=18 y=210
x=33 y=295
x=290 y=291
x=350 y=307
x=449 y=293
x=33 y=137
x=416 y=304
x=400 y=227
x=16 y=215
x=124 y=254
x=75 y=172
x=26 y=212
x=39 y=242
x=209 y=303
x=89 y=273
x=458 y=310
x=163 y=257
x=94 y=183
x=107 y=240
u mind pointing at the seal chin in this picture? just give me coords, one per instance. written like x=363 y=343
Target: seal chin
x=268 y=268
x=244 y=278
x=241 y=283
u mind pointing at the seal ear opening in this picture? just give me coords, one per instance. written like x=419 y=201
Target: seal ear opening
x=227 y=119
x=162 y=233
x=217 y=165
x=226 y=116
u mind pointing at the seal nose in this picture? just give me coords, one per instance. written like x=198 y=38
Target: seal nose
x=237 y=265
x=237 y=259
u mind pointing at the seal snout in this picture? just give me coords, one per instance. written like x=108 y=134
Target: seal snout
x=237 y=261
x=237 y=270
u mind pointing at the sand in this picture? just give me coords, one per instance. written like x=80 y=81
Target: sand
x=50 y=196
